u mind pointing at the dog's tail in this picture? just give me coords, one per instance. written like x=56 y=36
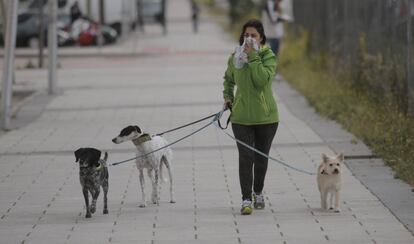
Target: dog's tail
x=103 y=161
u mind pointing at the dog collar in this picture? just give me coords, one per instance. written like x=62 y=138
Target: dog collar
x=143 y=138
x=99 y=167
x=102 y=162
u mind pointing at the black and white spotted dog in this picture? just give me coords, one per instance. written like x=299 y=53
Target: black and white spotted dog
x=93 y=174
x=144 y=144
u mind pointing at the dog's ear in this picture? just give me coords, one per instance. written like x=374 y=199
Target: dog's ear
x=138 y=129
x=78 y=153
x=95 y=156
x=321 y=169
x=341 y=157
x=325 y=158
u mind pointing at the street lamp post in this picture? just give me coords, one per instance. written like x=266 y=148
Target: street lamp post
x=52 y=47
x=8 y=67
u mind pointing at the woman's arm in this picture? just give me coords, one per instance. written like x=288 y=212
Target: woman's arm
x=228 y=92
x=263 y=70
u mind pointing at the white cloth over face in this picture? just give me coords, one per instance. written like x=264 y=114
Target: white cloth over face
x=240 y=57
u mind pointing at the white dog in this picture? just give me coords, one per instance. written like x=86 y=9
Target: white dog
x=329 y=181
x=146 y=143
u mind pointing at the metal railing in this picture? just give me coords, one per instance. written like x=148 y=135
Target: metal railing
x=373 y=39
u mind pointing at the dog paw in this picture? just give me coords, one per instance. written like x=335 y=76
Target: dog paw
x=337 y=210
x=172 y=201
x=105 y=211
x=88 y=215
x=93 y=209
x=142 y=205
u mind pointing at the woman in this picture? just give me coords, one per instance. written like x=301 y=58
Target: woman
x=254 y=112
x=273 y=24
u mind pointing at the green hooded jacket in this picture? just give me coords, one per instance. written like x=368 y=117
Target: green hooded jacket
x=253 y=103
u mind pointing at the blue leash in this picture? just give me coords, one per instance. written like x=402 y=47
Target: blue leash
x=183 y=126
x=216 y=118
x=263 y=154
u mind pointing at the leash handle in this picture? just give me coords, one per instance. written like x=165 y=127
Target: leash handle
x=225 y=108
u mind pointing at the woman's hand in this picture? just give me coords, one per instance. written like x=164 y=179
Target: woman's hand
x=248 y=47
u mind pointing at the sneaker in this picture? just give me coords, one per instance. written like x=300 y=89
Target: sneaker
x=246 y=207
x=258 y=200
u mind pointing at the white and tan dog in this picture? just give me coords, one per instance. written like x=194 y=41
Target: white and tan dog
x=330 y=182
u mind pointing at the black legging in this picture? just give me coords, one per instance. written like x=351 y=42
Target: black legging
x=259 y=137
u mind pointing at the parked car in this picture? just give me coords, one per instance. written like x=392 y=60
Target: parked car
x=115 y=11
x=27 y=34
x=28 y=25
x=83 y=32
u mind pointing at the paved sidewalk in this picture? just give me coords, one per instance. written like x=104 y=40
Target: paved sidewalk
x=41 y=199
